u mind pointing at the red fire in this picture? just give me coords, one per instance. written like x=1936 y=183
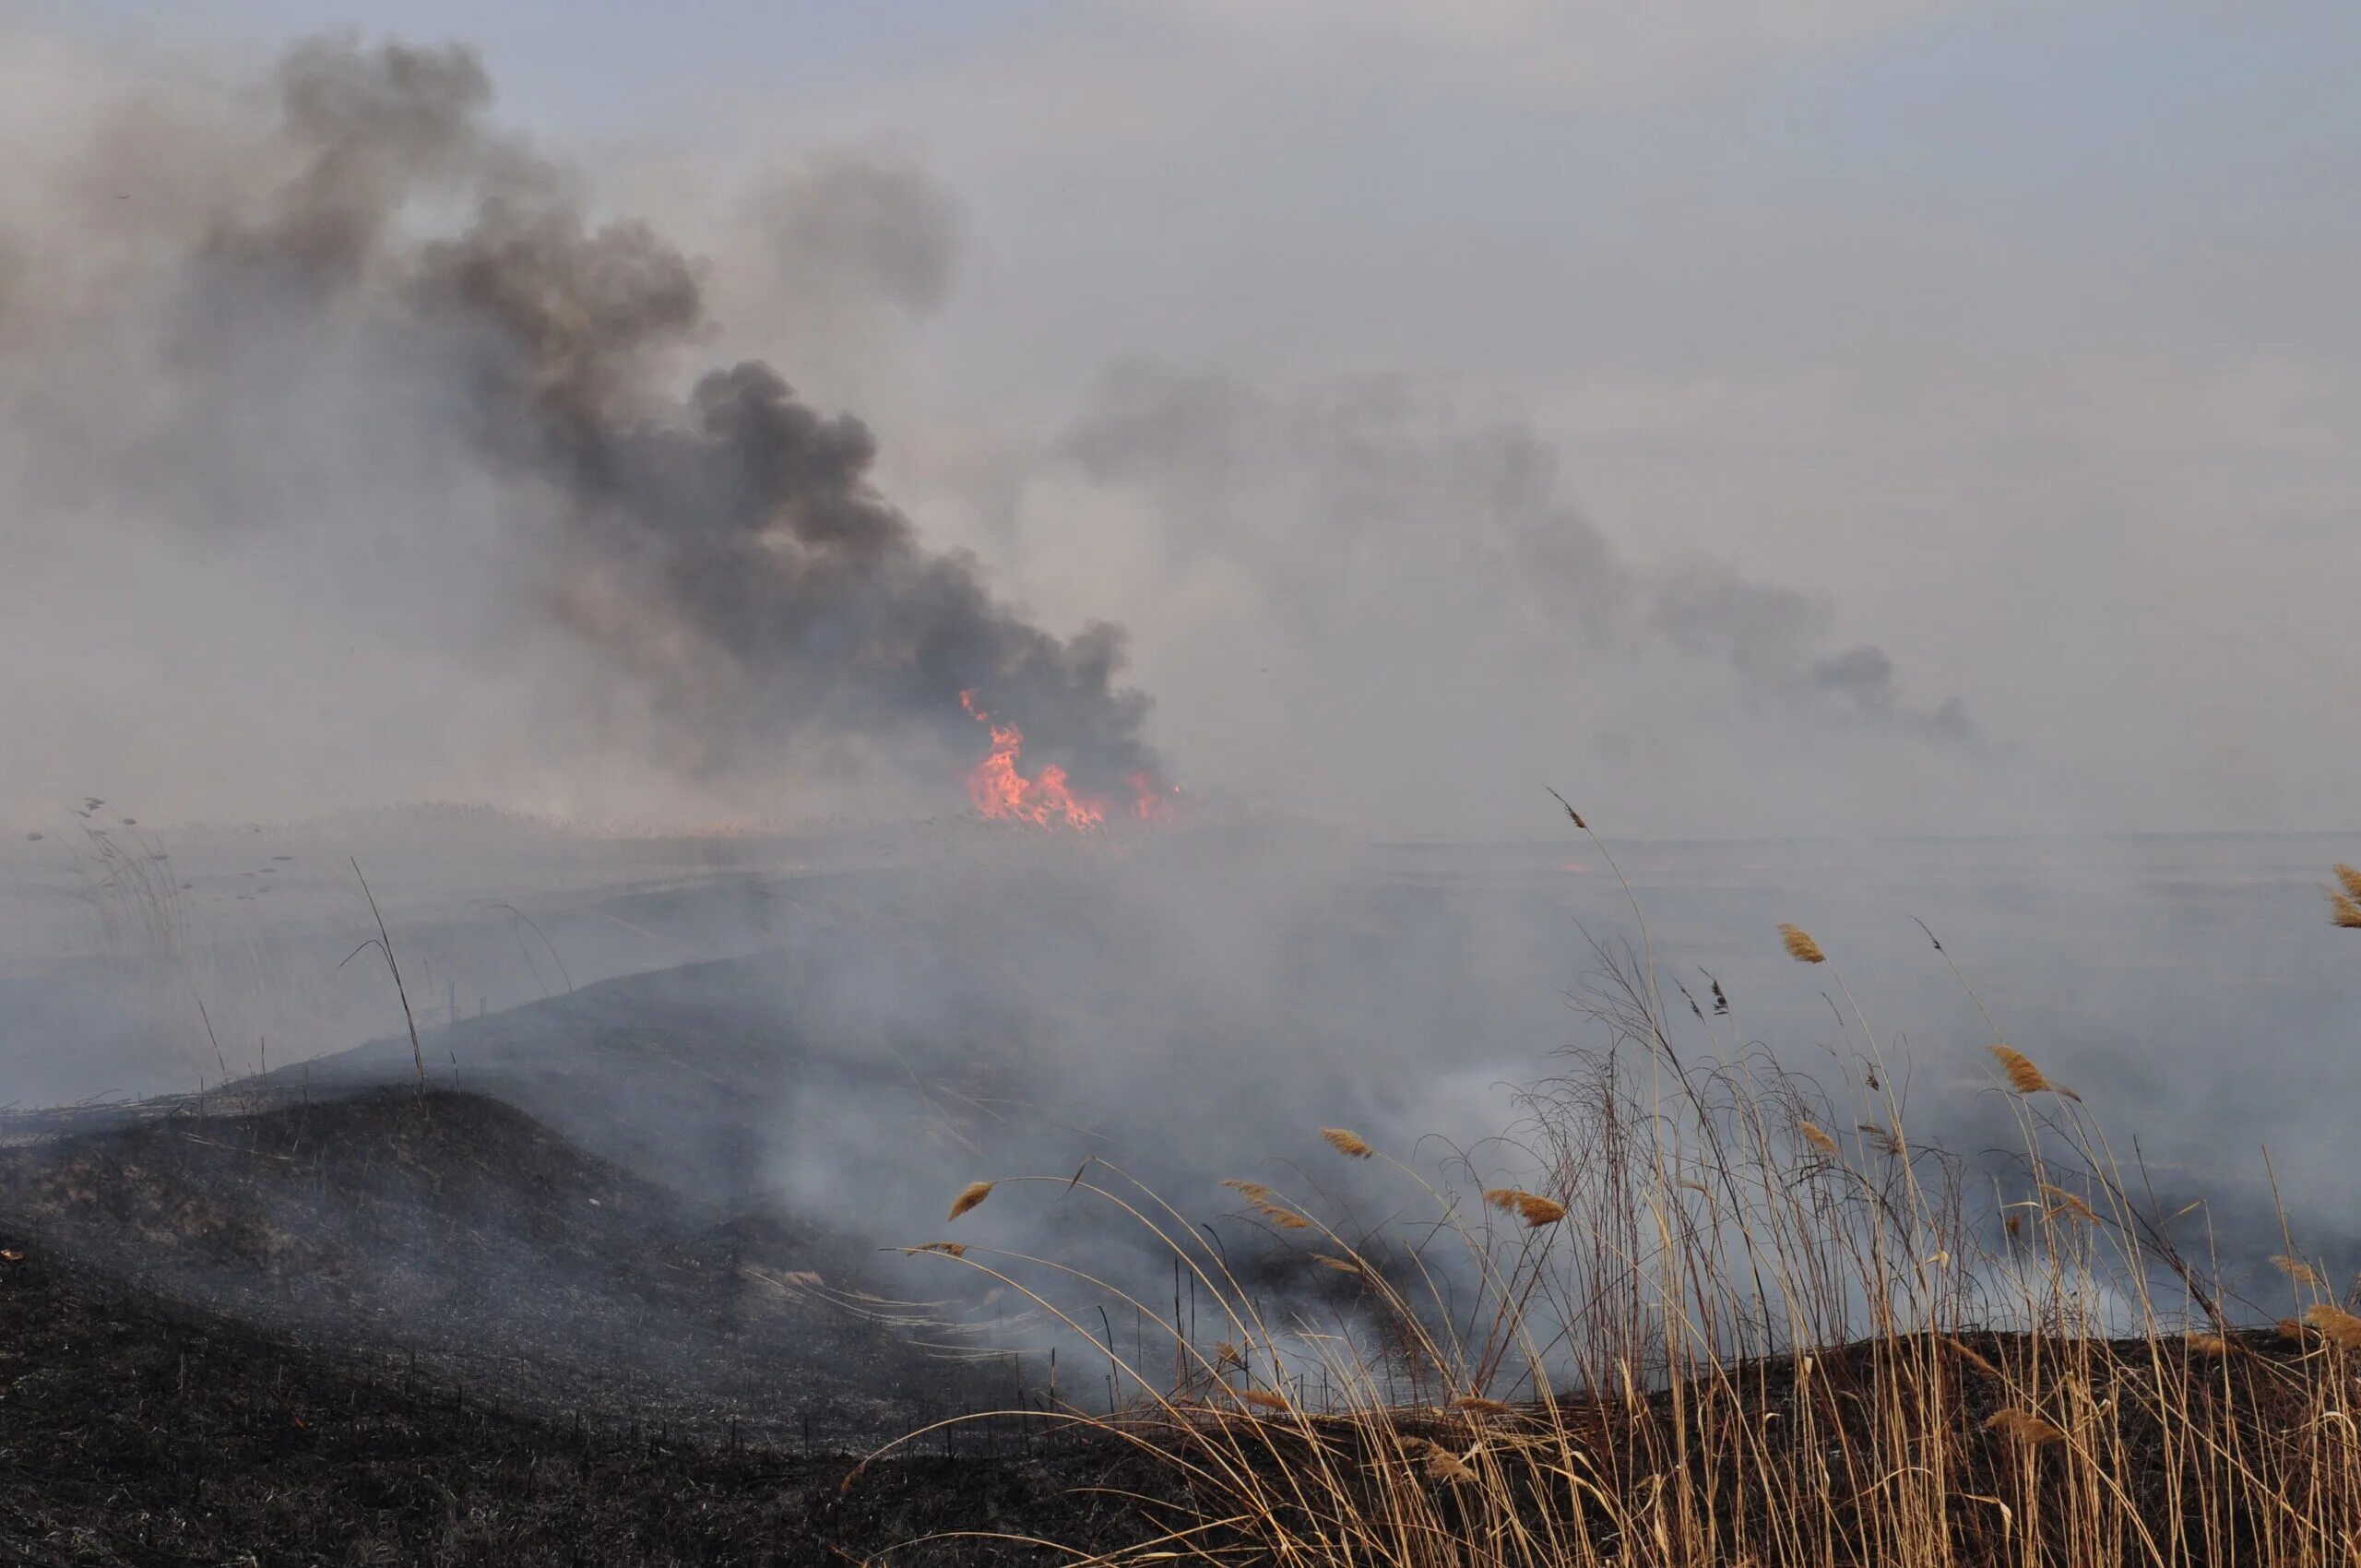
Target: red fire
x=1001 y=790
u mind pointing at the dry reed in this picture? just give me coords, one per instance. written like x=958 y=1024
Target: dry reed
x=2024 y=1076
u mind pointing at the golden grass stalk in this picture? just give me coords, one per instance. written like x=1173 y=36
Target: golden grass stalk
x=1261 y=1398
x=950 y=1249
x=2350 y=878
x=1340 y=1264
x=1817 y=1138
x=2339 y=1328
x=2024 y=1427
x=1347 y=1142
x=969 y=1196
x=2024 y=1076
x=1800 y=947
x=1285 y=1218
x=1531 y=1207
x=1476 y=1404
x=2345 y=909
x=1252 y=1192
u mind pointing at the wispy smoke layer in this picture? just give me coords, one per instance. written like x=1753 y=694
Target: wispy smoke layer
x=507 y=432
x=1379 y=477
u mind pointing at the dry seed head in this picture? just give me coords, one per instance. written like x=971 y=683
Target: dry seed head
x=2345 y=909
x=1339 y=1264
x=969 y=1196
x=2290 y=1329
x=2208 y=1345
x=2067 y=1203
x=1886 y=1138
x=2024 y=1427
x=1252 y=1192
x=2015 y=1222
x=2341 y=1327
x=1800 y=947
x=1226 y=1354
x=1476 y=1403
x=1261 y=1399
x=1286 y=1219
x=1817 y=1138
x=2024 y=1076
x=950 y=1249
x=1347 y=1142
x=1531 y=1207
x=2298 y=1270
x=1971 y=1358
x=1442 y=1465
x=2350 y=878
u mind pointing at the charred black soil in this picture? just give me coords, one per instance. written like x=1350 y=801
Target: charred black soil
x=404 y=1328
x=455 y=1232
x=142 y=1431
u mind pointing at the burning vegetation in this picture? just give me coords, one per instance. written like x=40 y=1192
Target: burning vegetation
x=1003 y=793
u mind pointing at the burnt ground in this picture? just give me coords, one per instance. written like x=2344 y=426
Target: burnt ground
x=394 y=1330
x=455 y=1234
x=139 y=1431
x=405 y=1329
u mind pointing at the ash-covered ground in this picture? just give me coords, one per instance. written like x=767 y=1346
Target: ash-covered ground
x=637 y=1251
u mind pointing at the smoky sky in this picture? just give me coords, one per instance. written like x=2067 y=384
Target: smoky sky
x=1378 y=460
x=380 y=315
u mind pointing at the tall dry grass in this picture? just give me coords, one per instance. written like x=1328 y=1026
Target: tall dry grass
x=1725 y=1315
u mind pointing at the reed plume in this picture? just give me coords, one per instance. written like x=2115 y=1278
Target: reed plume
x=1442 y=1465
x=2298 y=1270
x=1817 y=1138
x=2024 y=1427
x=2344 y=910
x=2339 y=1328
x=969 y=1196
x=1531 y=1207
x=1800 y=947
x=2024 y=1076
x=1347 y=1142
x=2350 y=877
x=2065 y=1202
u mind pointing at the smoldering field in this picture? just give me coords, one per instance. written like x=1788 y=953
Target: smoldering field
x=361 y=451
x=851 y=1025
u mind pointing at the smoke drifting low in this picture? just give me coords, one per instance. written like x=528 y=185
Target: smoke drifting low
x=352 y=331
x=1409 y=551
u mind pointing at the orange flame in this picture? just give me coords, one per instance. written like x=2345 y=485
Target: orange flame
x=1001 y=791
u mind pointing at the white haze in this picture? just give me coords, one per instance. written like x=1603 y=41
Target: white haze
x=1745 y=517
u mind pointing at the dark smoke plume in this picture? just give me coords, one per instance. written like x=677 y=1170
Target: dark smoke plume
x=725 y=551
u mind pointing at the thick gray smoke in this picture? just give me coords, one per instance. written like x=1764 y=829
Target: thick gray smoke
x=510 y=363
